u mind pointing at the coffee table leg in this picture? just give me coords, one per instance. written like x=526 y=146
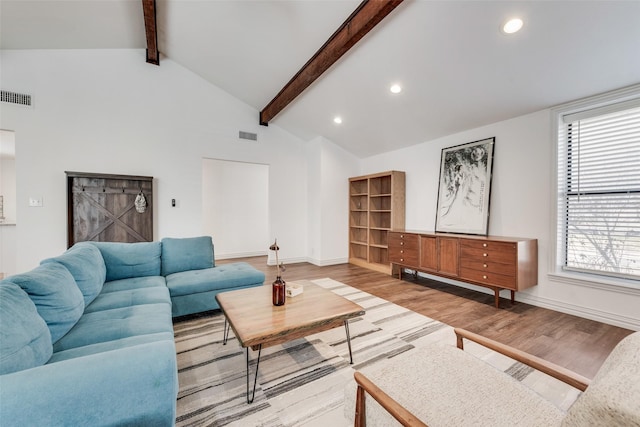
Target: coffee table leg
x=346 y=328
x=227 y=326
x=255 y=379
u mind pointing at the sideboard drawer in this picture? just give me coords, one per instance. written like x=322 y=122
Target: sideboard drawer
x=403 y=248
x=502 y=252
x=508 y=269
x=408 y=241
x=488 y=278
x=403 y=257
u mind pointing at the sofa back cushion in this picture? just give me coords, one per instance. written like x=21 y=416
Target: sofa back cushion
x=189 y=253
x=84 y=262
x=25 y=340
x=613 y=397
x=127 y=260
x=57 y=297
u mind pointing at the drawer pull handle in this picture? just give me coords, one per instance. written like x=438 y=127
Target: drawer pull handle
x=402 y=251
x=484 y=245
x=402 y=236
x=484 y=277
x=484 y=265
x=401 y=243
x=485 y=254
x=401 y=259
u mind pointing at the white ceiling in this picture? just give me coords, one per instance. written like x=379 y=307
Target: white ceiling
x=457 y=69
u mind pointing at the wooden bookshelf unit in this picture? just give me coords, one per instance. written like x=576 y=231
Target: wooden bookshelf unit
x=376 y=205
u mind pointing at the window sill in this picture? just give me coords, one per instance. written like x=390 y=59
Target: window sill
x=612 y=284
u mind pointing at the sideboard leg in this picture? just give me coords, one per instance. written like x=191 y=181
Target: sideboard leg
x=496 y=297
x=513 y=296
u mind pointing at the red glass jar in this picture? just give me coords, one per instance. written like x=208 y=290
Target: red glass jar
x=278 y=291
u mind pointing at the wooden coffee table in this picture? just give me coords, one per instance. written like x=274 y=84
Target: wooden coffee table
x=257 y=323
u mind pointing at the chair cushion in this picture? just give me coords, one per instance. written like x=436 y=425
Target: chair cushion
x=58 y=299
x=129 y=298
x=126 y=260
x=134 y=283
x=445 y=386
x=613 y=397
x=191 y=253
x=84 y=262
x=116 y=324
x=25 y=340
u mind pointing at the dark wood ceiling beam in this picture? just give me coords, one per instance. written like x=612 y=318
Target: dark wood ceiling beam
x=151 y=29
x=367 y=15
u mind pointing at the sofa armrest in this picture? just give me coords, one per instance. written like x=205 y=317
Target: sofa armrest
x=556 y=371
x=130 y=386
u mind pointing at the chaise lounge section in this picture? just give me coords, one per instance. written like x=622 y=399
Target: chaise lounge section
x=86 y=338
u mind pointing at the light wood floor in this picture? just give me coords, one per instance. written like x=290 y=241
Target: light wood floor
x=573 y=342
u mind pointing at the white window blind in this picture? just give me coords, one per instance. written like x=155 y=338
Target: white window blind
x=599 y=190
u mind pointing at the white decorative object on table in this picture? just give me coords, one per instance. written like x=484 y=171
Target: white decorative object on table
x=294 y=289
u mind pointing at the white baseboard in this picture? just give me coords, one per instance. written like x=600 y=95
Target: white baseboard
x=319 y=263
x=562 y=307
x=240 y=255
x=286 y=261
x=325 y=262
x=587 y=313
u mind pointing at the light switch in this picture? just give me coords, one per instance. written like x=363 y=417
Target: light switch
x=35 y=202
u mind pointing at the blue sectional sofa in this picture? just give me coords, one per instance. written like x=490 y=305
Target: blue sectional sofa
x=86 y=338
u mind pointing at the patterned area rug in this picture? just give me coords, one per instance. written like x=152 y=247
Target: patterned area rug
x=301 y=383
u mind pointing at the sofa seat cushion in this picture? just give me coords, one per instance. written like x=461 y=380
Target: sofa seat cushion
x=101 y=347
x=126 y=260
x=58 y=299
x=445 y=386
x=226 y=276
x=134 y=283
x=117 y=323
x=190 y=253
x=25 y=340
x=613 y=397
x=84 y=262
x=129 y=298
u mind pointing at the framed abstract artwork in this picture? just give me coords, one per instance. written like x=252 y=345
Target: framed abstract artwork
x=465 y=187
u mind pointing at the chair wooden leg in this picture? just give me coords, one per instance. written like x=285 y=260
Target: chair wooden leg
x=360 y=418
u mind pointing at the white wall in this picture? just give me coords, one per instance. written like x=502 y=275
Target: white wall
x=330 y=168
x=235 y=205
x=521 y=206
x=108 y=111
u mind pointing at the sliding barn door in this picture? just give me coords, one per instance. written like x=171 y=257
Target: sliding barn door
x=109 y=208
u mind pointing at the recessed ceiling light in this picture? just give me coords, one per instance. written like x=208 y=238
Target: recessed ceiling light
x=395 y=88
x=512 y=26
x=337 y=120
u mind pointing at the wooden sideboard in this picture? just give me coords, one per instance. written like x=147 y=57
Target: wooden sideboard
x=490 y=261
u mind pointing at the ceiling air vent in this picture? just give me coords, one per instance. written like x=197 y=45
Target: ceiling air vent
x=248 y=135
x=15 y=98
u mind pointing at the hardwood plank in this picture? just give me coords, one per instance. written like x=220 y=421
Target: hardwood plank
x=578 y=344
x=368 y=14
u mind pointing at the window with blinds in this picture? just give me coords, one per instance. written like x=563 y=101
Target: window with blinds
x=599 y=190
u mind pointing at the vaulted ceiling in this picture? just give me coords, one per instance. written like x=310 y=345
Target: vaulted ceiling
x=457 y=69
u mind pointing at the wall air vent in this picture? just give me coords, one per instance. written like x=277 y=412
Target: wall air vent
x=15 y=98
x=248 y=135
